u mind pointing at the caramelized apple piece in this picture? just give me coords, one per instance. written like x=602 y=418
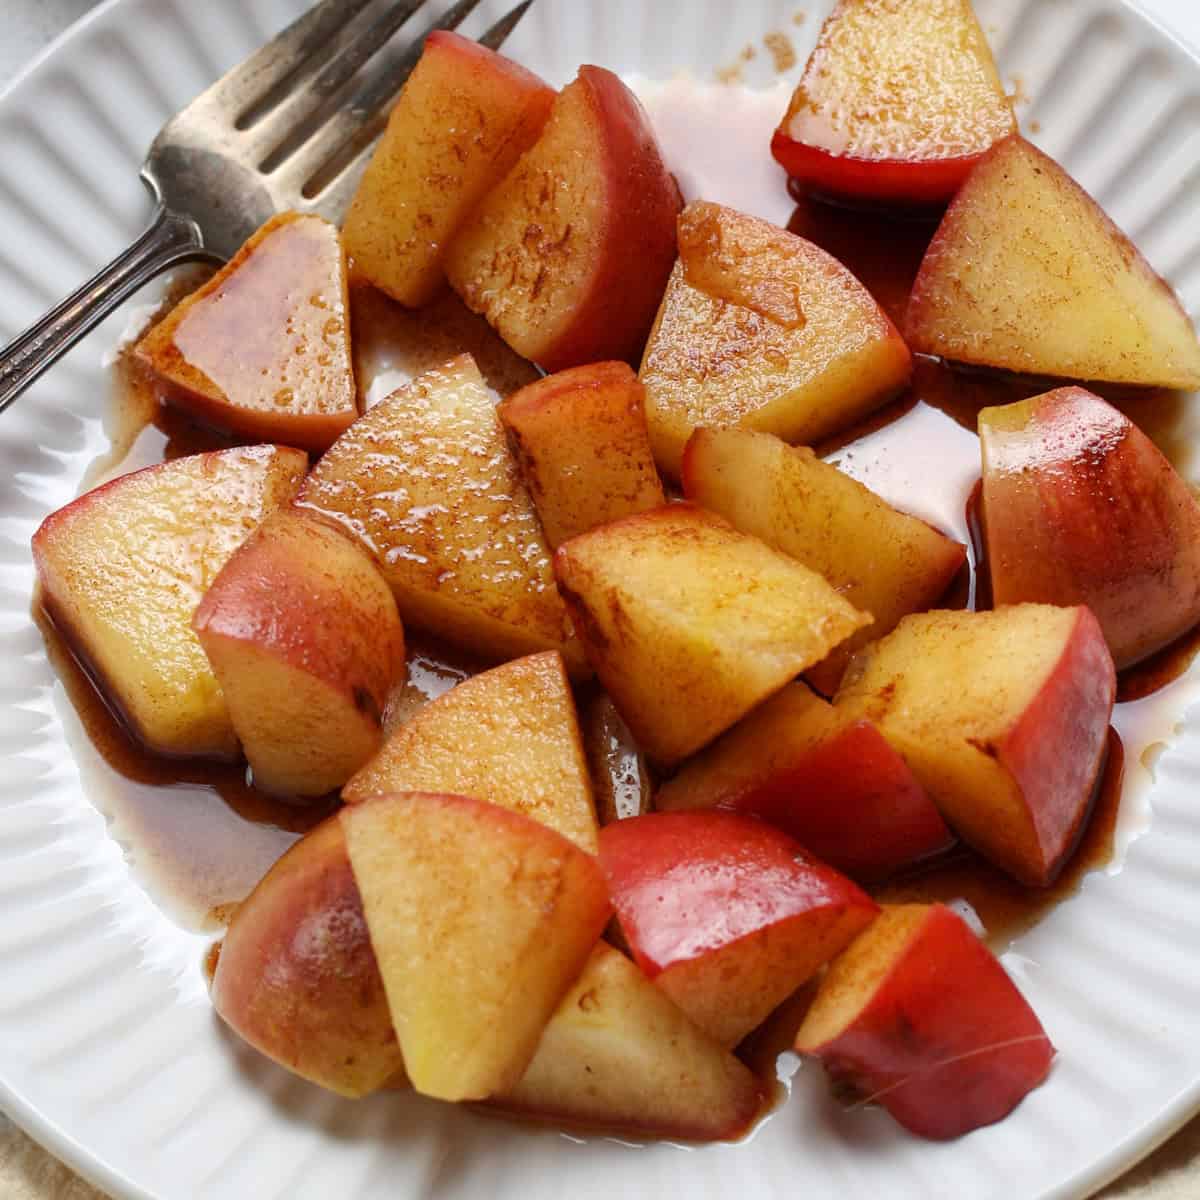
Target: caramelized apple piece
x=426 y=481
x=465 y=116
x=303 y=634
x=568 y=256
x=124 y=566
x=1027 y=273
x=761 y=329
x=689 y=623
x=897 y=103
x=918 y=1015
x=263 y=348
x=526 y=753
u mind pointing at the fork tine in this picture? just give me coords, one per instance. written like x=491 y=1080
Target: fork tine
x=270 y=65
x=342 y=144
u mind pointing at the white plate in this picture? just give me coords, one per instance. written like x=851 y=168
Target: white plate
x=109 y=1053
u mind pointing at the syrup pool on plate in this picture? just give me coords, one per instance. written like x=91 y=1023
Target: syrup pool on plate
x=198 y=837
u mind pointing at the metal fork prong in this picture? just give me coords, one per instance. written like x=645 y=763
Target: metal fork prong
x=346 y=137
x=498 y=34
x=292 y=121
x=309 y=36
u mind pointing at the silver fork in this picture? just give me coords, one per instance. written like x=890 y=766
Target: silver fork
x=276 y=132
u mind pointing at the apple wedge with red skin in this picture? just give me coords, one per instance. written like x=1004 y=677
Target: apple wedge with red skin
x=728 y=915
x=859 y=129
x=1003 y=717
x=831 y=782
x=919 y=1016
x=263 y=348
x=568 y=256
x=1080 y=507
x=296 y=976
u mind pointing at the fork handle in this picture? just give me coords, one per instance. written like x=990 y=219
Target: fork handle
x=172 y=238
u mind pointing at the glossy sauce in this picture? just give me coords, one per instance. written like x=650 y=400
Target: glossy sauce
x=198 y=837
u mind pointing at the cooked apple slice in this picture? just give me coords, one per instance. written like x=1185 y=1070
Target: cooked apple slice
x=726 y=914
x=1003 y=717
x=568 y=256
x=830 y=781
x=123 y=567
x=296 y=976
x=425 y=479
x=304 y=637
x=480 y=919
x=580 y=437
x=858 y=127
x=465 y=116
x=620 y=775
x=880 y=559
x=763 y=330
x=618 y=1055
x=1080 y=507
x=919 y=1016
x=263 y=348
x=689 y=623
x=1027 y=273
x=525 y=750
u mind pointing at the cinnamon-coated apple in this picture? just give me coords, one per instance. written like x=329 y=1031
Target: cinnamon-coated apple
x=296 y=976
x=465 y=116
x=728 y=915
x=580 y=437
x=762 y=330
x=689 y=624
x=525 y=748
x=831 y=781
x=896 y=104
x=568 y=255
x=303 y=634
x=1027 y=273
x=1081 y=507
x=1003 y=717
x=917 y=1015
x=480 y=919
x=263 y=348
x=882 y=560
x=123 y=567
x=619 y=1056
x=426 y=481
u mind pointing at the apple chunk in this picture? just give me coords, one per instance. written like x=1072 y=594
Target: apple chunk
x=427 y=483
x=465 y=116
x=123 y=567
x=1003 y=717
x=263 y=348
x=568 y=256
x=726 y=914
x=580 y=437
x=480 y=919
x=619 y=1055
x=1080 y=507
x=918 y=1015
x=880 y=559
x=1027 y=273
x=297 y=978
x=689 y=623
x=526 y=752
x=304 y=636
x=859 y=126
x=831 y=781
x=763 y=330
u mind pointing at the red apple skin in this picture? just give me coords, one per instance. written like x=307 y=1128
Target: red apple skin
x=297 y=977
x=1080 y=507
x=694 y=889
x=919 y=185
x=946 y=1043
